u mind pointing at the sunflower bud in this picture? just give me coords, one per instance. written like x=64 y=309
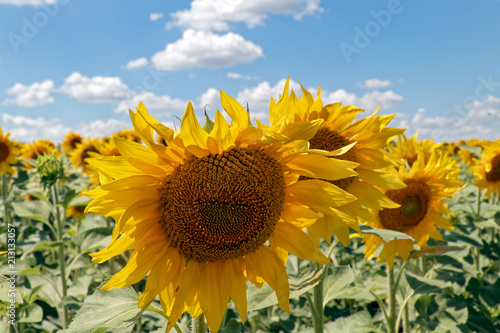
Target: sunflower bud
x=50 y=169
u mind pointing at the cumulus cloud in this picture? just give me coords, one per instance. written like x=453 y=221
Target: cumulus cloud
x=36 y=3
x=215 y=14
x=237 y=76
x=38 y=93
x=28 y=129
x=205 y=49
x=368 y=101
x=137 y=63
x=479 y=119
x=375 y=84
x=155 y=16
x=156 y=105
x=100 y=128
x=97 y=89
x=210 y=97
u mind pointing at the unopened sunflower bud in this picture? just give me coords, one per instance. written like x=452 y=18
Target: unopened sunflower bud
x=50 y=169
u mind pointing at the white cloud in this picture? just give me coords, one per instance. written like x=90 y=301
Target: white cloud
x=210 y=97
x=38 y=93
x=479 y=119
x=100 y=128
x=205 y=49
x=156 y=105
x=155 y=16
x=28 y=129
x=97 y=89
x=36 y=3
x=237 y=76
x=375 y=84
x=368 y=101
x=137 y=63
x=215 y=14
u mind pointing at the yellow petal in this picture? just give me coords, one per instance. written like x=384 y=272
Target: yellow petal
x=297 y=243
x=235 y=110
x=266 y=264
x=212 y=294
x=193 y=135
x=370 y=196
x=139 y=264
x=186 y=292
x=233 y=276
x=314 y=166
x=318 y=195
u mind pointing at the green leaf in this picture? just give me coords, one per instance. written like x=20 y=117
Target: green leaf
x=360 y=322
x=435 y=250
x=265 y=296
x=35 y=210
x=7 y=294
x=478 y=322
x=426 y=306
x=233 y=326
x=93 y=238
x=33 y=313
x=385 y=234
x=115 y=308
x=336 y=282
x=423 y=285
x=209 y=124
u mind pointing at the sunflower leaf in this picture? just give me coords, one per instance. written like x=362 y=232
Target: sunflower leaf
x=105 y=309
x=385 y=234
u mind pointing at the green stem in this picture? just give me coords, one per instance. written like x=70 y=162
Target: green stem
x=60 y=254
x=391 y=319
x=5 y=207
x=199 y=325
x=478 y=208
x=318 y=301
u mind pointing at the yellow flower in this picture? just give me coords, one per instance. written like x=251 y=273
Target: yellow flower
x=77 y=212
x=8 y=154
x=200 y=211
x=128 y=134
x=71 y=141
x=487 y=169
x=408 y=149
x=422 y=205
x=83 y=151
x=38 y=148
x=337 y=129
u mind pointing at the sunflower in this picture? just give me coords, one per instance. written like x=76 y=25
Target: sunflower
x=77 y=212
x=487 y=169
x=210 y=211
x=71 y=141
x=407 y=149
x=38 y=148
x=128 y=134
x=429 y=182
x=366 y=138
x=83 y=151
x=8 y=154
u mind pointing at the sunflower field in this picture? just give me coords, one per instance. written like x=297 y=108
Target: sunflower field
x=325 y=219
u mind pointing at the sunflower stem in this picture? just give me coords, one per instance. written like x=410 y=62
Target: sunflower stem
x=478 y=207
x=316 y=303
x=199 y=325
x=391 y=318
x=6 y=216
x=61 y=254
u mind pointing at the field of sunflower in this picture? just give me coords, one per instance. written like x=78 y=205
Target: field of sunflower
x=323 y=220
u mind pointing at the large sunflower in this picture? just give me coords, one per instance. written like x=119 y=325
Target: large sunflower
x=429 y=181
x=201 y=211
x=7 y=154
x=487 y=169
x=366 y=137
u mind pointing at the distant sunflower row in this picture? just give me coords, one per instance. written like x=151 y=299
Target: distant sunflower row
x=208 y=208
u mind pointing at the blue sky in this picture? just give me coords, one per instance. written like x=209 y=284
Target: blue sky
x=75 y=65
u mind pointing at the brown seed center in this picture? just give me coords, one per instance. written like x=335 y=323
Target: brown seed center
x=222 y=206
